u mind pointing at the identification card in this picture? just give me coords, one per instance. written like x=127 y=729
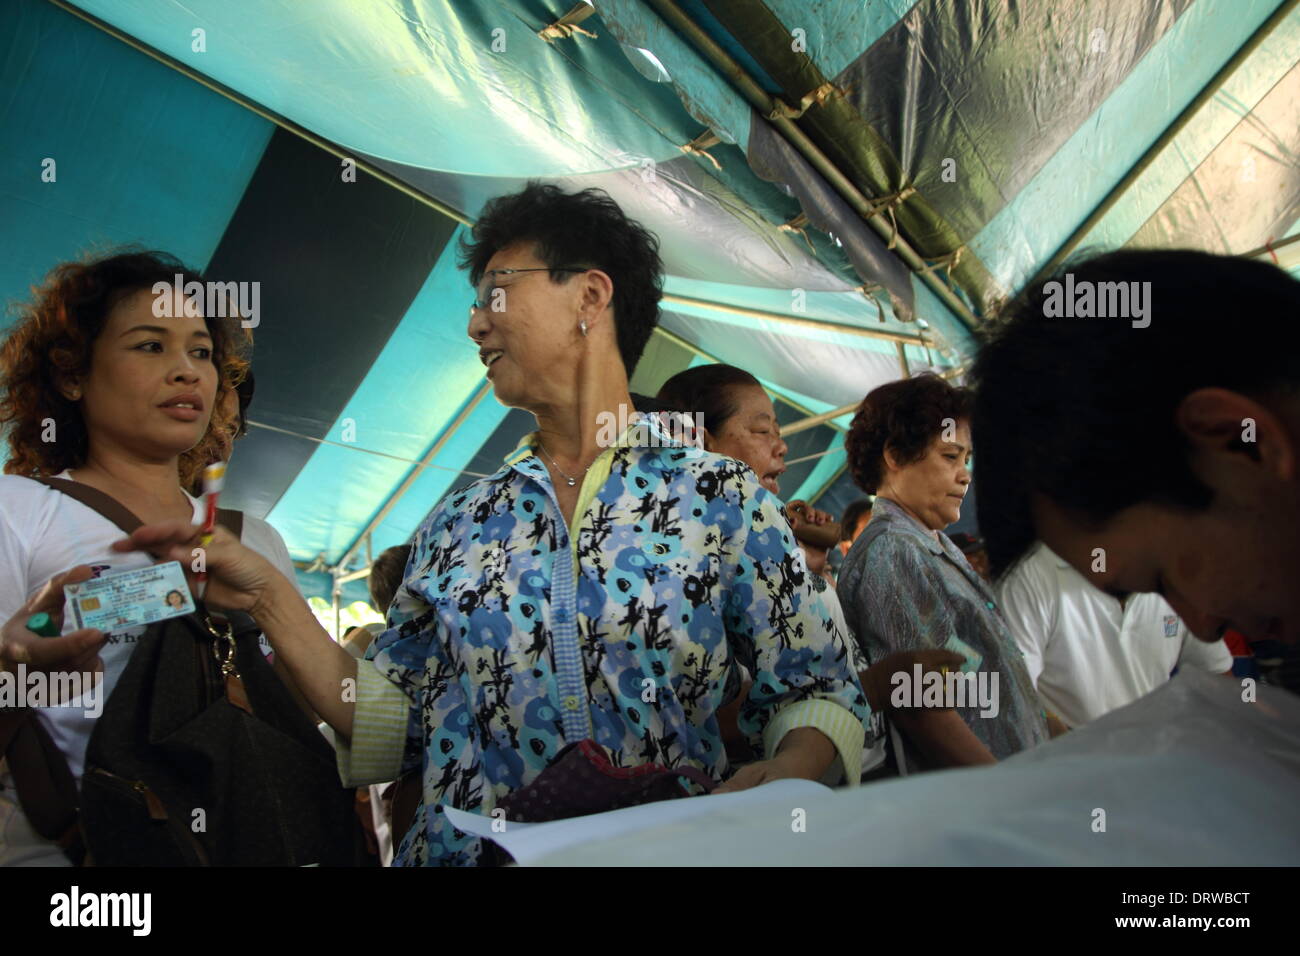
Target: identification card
x=126 y=599
x=973 y=658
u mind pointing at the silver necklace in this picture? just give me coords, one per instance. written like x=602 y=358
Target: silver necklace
x=571 y=481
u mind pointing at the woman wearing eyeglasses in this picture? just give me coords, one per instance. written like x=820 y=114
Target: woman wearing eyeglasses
x=583 y=591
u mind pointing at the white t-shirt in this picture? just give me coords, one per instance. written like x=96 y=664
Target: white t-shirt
x=1087 y=653
x=43 y=533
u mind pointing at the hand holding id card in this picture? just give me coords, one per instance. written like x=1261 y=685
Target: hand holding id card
x=127 y=599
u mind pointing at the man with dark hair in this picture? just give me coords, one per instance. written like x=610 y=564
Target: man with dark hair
x=571 y=233
x=1158 y=454
x=856 y=517
x=386 y=575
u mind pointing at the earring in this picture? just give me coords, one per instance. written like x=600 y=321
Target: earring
x=582 y=326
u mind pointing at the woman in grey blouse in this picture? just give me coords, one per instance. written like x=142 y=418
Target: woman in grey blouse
x=906 y=587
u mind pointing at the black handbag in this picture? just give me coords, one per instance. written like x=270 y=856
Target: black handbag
x=201 y=755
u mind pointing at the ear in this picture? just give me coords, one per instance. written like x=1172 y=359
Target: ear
x=597 y=294
x=709 y=444
x=1218 y=422
x=891 y=460
x=69 y=387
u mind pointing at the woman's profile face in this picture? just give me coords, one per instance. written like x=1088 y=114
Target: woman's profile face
x=752 y=436
x=174 y=599
x=527 y=333
x=932 y=488
x=152 y=383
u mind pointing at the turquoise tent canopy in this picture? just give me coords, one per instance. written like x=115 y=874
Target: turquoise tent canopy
x=845 y=192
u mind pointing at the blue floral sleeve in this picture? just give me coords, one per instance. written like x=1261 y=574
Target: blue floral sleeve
x=774 y=611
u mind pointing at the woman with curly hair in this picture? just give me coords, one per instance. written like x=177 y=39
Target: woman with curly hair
x=102 y=386
x=905 y=585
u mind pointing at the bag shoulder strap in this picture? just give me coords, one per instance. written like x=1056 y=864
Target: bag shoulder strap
x=231 y=520
x=97 y=501
x=109 y=507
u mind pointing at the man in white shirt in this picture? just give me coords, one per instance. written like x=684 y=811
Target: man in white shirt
x=1087 y=652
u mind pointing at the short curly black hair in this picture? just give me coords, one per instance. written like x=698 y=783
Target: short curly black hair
x=585 y=229
x=904 y=416
x=1059 y=402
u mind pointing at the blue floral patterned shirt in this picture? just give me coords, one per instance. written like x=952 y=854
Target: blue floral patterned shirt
x=511 y=641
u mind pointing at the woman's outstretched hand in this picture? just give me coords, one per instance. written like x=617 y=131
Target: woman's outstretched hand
x=238 y=578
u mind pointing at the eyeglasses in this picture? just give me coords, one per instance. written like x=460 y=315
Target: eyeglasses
x=488 y=284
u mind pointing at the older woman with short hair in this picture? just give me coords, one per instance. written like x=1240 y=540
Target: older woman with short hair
x=905 y=585
x=582 y=592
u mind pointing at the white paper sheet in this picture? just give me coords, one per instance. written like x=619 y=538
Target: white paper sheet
x=1190 y=775
x=775 y=802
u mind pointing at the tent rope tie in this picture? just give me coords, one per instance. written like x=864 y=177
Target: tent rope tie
x=567 y=25
x=818 y=97
x=880 y=308
x=887 y=204
x=869 y=289
x=700 y=146
x=799 y=224
x=562 y=31
x=947 y=263
x=925 y=344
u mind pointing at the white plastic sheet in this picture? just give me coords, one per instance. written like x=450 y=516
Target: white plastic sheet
x=1190 y=775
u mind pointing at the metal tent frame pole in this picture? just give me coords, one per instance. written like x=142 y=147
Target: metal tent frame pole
x=803 y=424
x=391 y=501
x=825 y=325
x=763 y=102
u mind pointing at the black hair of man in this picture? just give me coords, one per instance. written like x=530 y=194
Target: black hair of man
x=853 y=514
x=648 y=405
x=386 y=574
x=1082 y=410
